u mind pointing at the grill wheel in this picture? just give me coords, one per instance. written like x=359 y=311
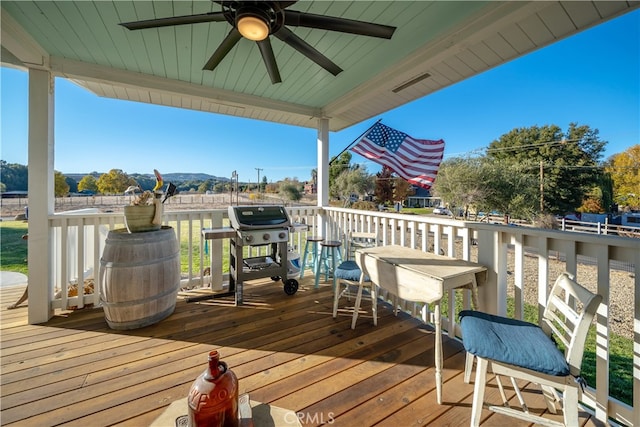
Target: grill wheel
x=290 y=286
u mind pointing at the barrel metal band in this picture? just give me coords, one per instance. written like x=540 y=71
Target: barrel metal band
x=139 y=301
x=110 y=264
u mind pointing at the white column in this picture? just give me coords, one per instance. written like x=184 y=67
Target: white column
x=41 y=194
x=491 y=292
x=323 y=171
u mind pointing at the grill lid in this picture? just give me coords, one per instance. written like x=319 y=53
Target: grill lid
x=258 y=217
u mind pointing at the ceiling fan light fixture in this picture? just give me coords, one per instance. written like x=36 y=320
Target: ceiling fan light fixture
x=252 y=25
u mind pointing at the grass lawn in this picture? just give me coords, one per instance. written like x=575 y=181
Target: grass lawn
x=13 y=248
x=417 y=211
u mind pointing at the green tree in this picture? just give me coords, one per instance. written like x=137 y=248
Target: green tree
x=221 y=187
x=114 y=182
x=624 y=169
x=384 y=186
x=569 y=161
x=291 y=190
x=354 y=180
x=402 y=189
x=460 y=182
x=205 y=186
x=510 y=189
x=336 y=167
x=61 y=188
x=14 y=176
x=593 y=202
x=145 y=181
x=88 y=183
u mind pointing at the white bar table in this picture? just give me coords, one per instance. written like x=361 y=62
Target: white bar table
x=419 y=276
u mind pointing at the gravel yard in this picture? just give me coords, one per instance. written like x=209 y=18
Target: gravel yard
x=621 y=290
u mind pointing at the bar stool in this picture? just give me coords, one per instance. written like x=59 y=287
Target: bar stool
x=330 y=258
x=310 y=248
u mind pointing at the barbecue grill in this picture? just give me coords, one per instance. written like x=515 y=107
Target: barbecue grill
x=259 y=226
x=254 y=226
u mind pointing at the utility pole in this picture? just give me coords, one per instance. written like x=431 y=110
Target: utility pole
x=258 y=169
x=541 y=187
x=234 y=177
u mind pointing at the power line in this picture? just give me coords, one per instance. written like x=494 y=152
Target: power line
x=532 y=145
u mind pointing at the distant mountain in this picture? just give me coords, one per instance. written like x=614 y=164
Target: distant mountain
x=173 y=177
x=183 y=176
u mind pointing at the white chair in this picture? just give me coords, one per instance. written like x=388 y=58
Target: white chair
x=348 y=273
x=522 y=350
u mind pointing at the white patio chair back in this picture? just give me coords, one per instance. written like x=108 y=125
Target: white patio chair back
x=567 y=317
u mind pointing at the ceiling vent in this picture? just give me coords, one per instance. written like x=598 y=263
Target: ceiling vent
x=411 y=82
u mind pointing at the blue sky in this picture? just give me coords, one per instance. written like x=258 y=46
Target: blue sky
x=592 y=78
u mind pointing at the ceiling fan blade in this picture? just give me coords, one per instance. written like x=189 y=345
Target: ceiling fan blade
x=287 y=36
x=227 y=44
x=174 y=20
x=332 y=23
x=269 y=60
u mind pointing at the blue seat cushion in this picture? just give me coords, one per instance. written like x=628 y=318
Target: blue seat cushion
x=511 y=341
x=349 y=270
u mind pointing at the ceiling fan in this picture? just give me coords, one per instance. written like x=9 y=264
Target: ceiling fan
x=257 y=20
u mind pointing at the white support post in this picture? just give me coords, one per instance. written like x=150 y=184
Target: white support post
x=489 y=295
x=41 y=194
x=323 y=171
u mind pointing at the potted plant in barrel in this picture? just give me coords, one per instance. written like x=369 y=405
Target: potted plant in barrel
x=145 y=211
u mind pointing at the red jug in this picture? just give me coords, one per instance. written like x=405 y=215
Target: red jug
x=213 y=398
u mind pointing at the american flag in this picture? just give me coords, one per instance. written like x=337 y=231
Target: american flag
x=416 y=160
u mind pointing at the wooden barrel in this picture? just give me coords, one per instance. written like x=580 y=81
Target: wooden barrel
x=140 y=277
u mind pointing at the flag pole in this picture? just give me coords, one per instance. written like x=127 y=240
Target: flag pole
x=354 y=141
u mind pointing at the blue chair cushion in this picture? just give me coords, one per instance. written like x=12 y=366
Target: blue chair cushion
x=511 y=341
x=349 y=270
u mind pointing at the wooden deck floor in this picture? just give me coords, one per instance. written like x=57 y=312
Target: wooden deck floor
x=286 y=350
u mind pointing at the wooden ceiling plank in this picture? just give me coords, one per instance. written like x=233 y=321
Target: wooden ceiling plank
x=500 y=46
x=536 y=30
x=69 y=21
x=583 y=14
x=44 y=31
x=108 y=14
x=517 y=39
x=486 y=54
x=472 y=61
x=87 y=18
x=556 y=20
x=459 y=67
x=611 y=8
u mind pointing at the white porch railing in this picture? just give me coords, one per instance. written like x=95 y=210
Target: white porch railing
x=79 y=239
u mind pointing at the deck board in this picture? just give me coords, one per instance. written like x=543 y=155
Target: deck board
x=287 y=351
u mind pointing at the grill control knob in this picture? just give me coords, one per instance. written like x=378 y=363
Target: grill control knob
x=248 y=238
x=266 y=236
x=282 y=235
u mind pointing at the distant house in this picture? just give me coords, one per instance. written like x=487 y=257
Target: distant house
x=422 y=199
x=14 y=194
x=310 y=188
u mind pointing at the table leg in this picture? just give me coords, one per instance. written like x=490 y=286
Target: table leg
x=356 y=308
x=438 y=355
x=474 y=293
